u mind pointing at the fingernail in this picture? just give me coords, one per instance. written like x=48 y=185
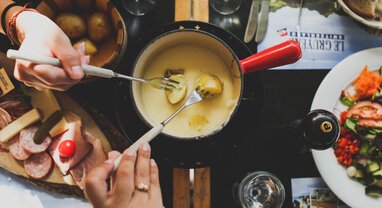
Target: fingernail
x=87 y=59
x=109 y=154
x=130 y=152
x=152 y=162
x=109 y=161
x=77 y=72
x=145 y=146
x=83 y=47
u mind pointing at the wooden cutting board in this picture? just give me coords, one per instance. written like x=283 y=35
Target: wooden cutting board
x=54 y=181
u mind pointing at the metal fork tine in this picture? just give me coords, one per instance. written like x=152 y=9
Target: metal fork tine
x=169 y=85
x=171 y=80
x=204 y=93
x=167 y=88
x=168 y=80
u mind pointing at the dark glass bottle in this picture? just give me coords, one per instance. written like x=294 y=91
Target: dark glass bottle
x=319 y=130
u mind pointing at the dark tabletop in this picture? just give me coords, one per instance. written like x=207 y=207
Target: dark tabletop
x=287 y=96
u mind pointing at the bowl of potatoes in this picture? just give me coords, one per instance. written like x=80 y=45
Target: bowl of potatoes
x=95 y=22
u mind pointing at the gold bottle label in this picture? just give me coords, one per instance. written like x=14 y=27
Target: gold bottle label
x=326 y=127
x=5 y=83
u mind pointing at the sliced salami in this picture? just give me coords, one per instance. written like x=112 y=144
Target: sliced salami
x=38 y=165
x=4 y=147
x=16 y=150
x=26 y=140
x=5 y=118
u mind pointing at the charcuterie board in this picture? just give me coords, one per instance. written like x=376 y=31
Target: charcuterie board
x=54 y=180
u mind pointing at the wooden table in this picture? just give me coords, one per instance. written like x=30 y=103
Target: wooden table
x=191 y=187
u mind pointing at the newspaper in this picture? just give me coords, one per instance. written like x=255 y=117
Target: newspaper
x=327 y=35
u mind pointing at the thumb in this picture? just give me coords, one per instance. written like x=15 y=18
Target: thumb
x=70 y=59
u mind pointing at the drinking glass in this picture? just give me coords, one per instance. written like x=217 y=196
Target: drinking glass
x=138 y=7
x=260 y=189
x=225 y=6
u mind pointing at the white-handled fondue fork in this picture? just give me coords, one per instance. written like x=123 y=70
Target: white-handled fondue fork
x=196 y=96
x=157 y=82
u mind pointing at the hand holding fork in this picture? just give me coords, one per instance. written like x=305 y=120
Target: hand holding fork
x=157 y=82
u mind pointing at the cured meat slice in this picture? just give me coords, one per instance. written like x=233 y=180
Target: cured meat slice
x=4 y=147
x=370 y=123
x=10 y=104
x=366 y=109
x=26 y=140
x=95 y=157
x=83 y=147
x=38 y=165
x=14 y=107
x=5 y=118
x=16 y=150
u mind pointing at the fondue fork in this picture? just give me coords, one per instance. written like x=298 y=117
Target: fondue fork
x=196 y=96
x=157 y=82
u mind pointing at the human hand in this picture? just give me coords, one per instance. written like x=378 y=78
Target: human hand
x=39 y=35
x=124 y=189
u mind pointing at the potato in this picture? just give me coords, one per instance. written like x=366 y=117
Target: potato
x=99 y=26
x=198 y=122
x=90 y=47
x=73 y=25
x=210 y=83
x=176 y=95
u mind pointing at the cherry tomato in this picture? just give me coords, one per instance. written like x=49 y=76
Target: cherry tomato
x=67 y=148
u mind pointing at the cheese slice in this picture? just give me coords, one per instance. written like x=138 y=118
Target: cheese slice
x=17 y=125
x=43 y=100
x=46 y=103
x=69 y=180
x=59 y=128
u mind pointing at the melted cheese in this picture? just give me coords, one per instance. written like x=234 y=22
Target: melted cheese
x=195 y=61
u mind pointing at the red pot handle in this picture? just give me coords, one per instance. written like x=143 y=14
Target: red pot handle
x=284 y=53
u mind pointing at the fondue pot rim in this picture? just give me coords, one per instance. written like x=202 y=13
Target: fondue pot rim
x=235 y=58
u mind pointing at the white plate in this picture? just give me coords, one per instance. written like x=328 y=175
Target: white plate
x=366 y=21
x=327 y=97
